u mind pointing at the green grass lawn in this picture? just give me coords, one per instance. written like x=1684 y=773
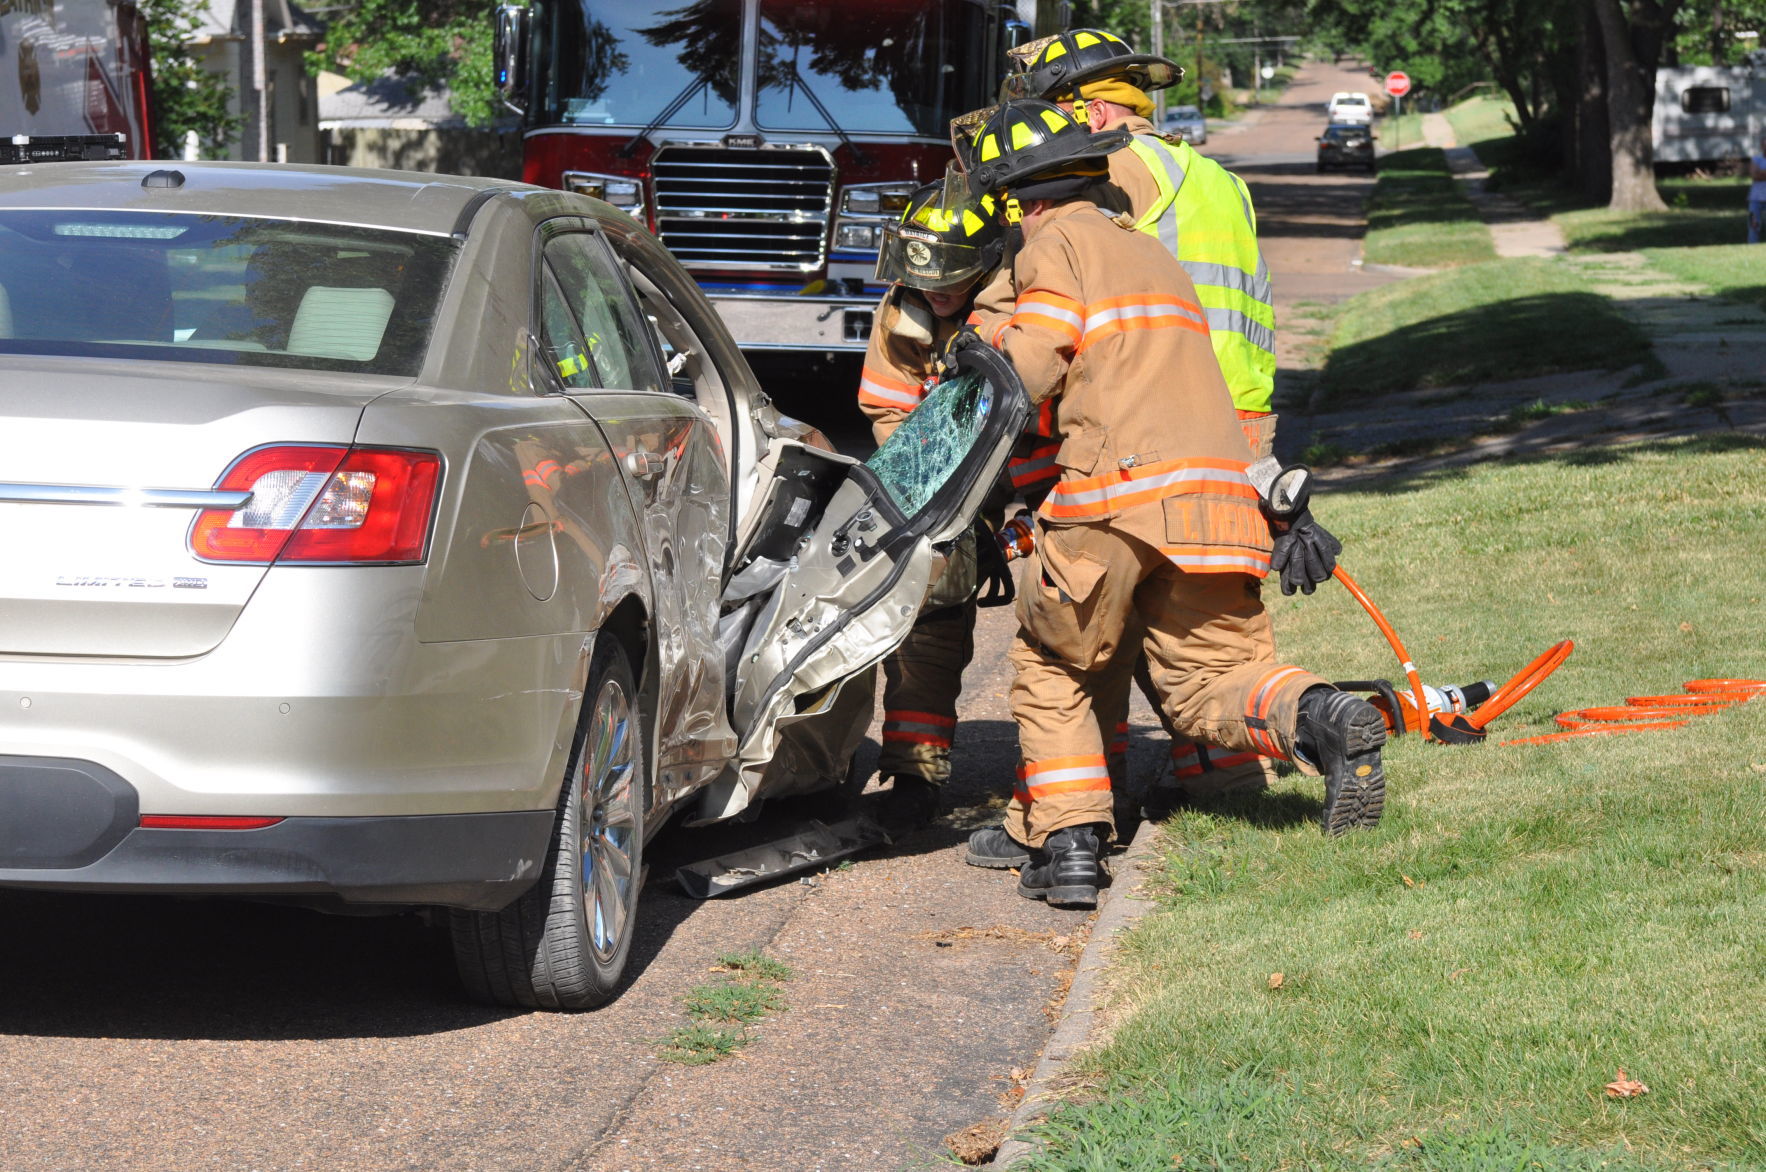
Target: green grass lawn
x=1505 y=319
x=1484 y=118
x=1417 y=215
x=1734 y=272
x=1458 y=985
x=1702 y=211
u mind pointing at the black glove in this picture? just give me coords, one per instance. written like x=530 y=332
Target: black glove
x=962 y=339
x=1305 y=553
x=994 y=586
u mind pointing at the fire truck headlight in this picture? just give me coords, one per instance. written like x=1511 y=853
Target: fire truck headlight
x=858 y=236
x=624 y=194
x=876 y=199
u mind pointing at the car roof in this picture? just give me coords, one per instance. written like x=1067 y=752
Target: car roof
x=1361 y=126
x=407 y=201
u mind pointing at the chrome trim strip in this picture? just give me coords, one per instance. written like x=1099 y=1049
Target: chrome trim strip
x=149 y=498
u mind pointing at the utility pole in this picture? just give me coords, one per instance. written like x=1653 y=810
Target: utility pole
x=260 y=86
x=1158 y=15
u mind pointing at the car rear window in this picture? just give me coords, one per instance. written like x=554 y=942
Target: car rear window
x=219 y=289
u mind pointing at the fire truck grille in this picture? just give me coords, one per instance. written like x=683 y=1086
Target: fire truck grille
x=744 y=208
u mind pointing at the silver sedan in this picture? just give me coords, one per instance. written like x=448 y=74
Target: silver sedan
x=397 y=540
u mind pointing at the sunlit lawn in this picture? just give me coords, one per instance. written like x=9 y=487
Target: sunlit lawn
x=1504 y=319
x=1453 y=990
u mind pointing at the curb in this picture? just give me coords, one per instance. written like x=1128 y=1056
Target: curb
x=1121 y=906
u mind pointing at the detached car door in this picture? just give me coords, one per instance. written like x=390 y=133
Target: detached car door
x=835 y=563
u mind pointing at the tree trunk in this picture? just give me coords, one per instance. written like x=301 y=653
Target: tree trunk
x=1630 y=103
x=1593 y=146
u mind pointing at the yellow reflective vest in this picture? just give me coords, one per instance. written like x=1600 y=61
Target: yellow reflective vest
x=1203 y=215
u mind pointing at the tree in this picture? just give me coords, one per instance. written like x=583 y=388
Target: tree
x=1632 y=34
x=187 y=98
x=423 y=42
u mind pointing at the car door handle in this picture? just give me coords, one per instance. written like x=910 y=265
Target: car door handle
x=645 y=465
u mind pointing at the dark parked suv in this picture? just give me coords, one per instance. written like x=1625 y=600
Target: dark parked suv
x=1346 y=144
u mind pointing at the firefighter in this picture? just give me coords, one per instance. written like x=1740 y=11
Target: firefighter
x=1202 y=214
x=935 y=259
x=1153 y=522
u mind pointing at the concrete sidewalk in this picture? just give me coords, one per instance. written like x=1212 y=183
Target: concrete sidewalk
x=1515 y=229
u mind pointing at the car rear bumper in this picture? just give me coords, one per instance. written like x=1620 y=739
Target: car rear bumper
x=71 y=825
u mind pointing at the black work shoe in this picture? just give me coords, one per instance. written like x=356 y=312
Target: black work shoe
x=1065 y=871
x=992 y=847
x=909 y=803
x=1341 y=734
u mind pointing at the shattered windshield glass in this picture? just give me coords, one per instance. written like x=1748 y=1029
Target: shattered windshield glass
x=932 y=442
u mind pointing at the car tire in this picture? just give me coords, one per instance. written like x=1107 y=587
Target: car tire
x=1321 y=168
x=564 y=943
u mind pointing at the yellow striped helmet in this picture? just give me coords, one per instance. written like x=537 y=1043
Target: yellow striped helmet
x=1055 y=67
x=1029 y=140
x=945 y=239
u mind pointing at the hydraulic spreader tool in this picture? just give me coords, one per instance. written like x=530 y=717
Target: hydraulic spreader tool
x=1462 y=715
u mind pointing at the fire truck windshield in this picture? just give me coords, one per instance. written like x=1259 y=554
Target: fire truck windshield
x=623 y=62
x=884 y=67
x=881 y=67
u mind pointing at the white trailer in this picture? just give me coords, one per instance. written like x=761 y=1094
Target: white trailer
x=1708 y=113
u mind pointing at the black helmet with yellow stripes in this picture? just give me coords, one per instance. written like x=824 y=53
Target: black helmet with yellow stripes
x=1055 y=67
x=944 y=240
x=1032 y=149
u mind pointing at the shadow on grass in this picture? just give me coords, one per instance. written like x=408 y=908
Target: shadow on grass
x=1504 y=340
x=1680 y=229
x=1712 y=443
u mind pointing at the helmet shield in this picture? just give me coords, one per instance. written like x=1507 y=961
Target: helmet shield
x=962 y=134
x=945 y=238
x=919 y=259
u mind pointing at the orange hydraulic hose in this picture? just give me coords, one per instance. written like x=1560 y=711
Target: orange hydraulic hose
x=1643 y=713
x=1524 y=681
x=1419 y=701
x=1607 y=730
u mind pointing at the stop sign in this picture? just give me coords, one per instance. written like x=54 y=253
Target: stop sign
x=1397 y=84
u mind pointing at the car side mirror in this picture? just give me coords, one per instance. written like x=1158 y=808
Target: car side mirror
x=509 y=54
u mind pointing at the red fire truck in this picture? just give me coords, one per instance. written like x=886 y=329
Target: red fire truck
x=766 y=142
x=74 y=81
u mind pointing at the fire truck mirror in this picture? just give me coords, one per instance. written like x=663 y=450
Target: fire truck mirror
x=509 y=53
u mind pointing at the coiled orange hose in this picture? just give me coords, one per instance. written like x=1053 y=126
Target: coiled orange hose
x=1643 y=713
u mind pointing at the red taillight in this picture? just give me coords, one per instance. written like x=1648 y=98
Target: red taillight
x=324 y=504
x=205 y=822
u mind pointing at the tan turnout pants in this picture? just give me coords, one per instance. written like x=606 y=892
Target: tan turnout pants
x=1209 y=652
x=1198 y=770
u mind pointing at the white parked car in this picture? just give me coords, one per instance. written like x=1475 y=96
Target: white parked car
x=1350 y=107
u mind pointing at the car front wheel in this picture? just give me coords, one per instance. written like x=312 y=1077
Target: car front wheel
x=563 y=944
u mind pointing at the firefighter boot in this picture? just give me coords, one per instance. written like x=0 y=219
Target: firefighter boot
x=909 y=803
x=992 y=847
x=1065 y=870
x=1341 y=735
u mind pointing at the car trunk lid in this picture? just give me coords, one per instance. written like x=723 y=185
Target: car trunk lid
x=104 y=466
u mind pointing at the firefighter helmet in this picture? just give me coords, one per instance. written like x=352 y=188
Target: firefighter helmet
x=945 y=238
x=1055 y=67
x=1027 y=145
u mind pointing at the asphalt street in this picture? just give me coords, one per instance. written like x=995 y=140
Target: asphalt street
x=161 y=1034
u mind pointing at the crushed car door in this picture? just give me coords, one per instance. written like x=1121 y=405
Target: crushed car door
x=837 y=559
